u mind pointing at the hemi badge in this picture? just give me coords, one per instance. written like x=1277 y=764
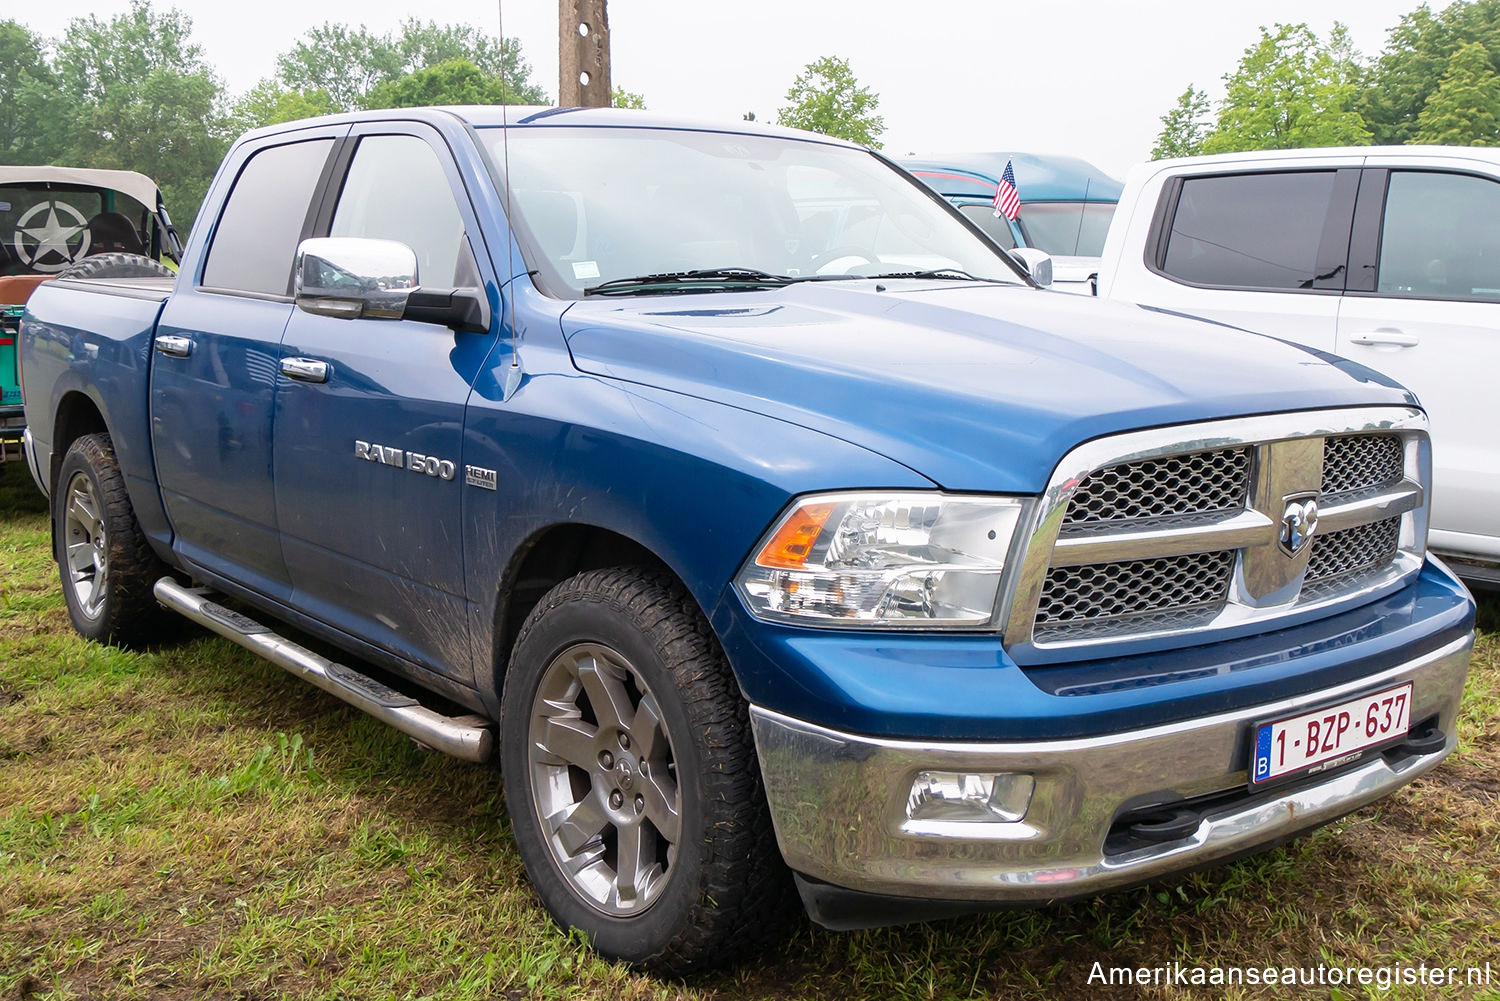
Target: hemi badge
x=478 y=476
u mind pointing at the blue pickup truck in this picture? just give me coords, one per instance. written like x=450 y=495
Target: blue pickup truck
x=767 y=525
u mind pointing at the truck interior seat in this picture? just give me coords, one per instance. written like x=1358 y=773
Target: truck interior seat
x=113 y=233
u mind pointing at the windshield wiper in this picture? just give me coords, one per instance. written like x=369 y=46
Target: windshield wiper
x=688 y=281
x=949 y=274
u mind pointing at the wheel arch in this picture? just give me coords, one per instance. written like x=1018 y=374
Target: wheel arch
x=548 y=557
x=78 y=414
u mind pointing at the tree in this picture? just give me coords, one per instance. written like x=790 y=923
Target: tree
x=269 y=103
x=826 y=98
x=1290 y=91
x=1465 y=108
x=1184 y=127
x=348 y=63
x=33 y=125
x=1416 y=60
x=622 y=98
x=454 y=81
x=141 y=96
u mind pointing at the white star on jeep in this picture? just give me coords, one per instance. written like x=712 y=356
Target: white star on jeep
x=52 y=235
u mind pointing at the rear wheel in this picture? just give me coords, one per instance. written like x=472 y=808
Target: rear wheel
x=631 y=776
x=107 y=568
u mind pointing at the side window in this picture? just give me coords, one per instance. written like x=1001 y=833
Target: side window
x=1260 y=230
x=997 y=229
x=257 y=235
x=1439 y=237
x=396 y=190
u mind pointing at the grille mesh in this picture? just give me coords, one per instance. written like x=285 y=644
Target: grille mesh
x=1194 y=492
x=1172 y=485
x=1362 y=548
x=1102 y=590
x=1357 y=461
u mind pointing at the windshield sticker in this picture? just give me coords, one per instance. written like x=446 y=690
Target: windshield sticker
x=4 y=206
x=50 y=236
x=585 y=269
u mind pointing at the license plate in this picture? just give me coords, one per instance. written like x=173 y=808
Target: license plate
x=1326 y=738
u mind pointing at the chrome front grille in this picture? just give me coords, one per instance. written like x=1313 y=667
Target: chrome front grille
x=1106 y=590
x=1180 y=529
x=1354 y=549
x=1195 y=483
x=1357 y=461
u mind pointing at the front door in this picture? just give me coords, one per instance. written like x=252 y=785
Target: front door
x=369 y=422
x=1430 y=319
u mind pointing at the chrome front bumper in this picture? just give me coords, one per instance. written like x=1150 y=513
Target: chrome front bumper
x=839 y=801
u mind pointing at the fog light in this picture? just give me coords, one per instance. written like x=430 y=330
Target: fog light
x=970 y=797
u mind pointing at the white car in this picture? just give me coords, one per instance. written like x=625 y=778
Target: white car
x=1389 y=256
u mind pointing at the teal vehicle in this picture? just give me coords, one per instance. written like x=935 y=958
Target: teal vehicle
x=51 y=220
x=1066 y=205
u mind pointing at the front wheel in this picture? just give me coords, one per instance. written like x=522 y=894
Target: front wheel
x=107 y=568
x=631 y=776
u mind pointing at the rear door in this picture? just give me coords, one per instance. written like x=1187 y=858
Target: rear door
x=1424 y=308
x=213 y=365
x=369 y=471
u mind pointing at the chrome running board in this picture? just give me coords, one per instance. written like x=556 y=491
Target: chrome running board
x=468 y=737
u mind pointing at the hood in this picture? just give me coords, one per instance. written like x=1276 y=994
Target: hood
x=976 y=387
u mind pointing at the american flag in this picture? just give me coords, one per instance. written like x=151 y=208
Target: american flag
x=1007 y=199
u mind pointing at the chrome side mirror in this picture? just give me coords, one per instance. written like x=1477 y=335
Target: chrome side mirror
x=349 y=277
x=1037 y=264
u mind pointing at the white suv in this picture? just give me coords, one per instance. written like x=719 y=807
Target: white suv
x=1389 y=256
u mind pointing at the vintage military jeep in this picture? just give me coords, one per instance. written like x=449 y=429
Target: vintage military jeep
x=61 y=219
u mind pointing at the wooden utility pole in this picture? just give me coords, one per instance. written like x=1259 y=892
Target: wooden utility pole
x=582 y=54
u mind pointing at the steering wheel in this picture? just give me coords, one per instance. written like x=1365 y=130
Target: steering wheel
x=823 y=262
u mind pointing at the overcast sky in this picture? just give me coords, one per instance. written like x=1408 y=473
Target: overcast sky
x=1090 y=78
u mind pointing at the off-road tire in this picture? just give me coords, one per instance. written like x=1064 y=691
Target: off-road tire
x=123 y=610
x=117 y=266
x=726 y=891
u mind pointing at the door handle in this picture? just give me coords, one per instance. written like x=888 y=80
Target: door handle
x=1385 y=338
x=171 y=344
x=305 y=369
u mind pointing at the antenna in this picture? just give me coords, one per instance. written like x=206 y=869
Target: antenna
x=513 y=374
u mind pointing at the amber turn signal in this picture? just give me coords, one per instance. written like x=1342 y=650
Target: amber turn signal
x=793 y=541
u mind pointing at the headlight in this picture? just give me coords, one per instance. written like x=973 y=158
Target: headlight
x=912 y=560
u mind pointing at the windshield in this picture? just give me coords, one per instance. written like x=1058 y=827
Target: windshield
x=1067 y=229
x=603 y=204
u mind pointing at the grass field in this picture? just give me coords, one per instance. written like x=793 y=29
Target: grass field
x=193 y=823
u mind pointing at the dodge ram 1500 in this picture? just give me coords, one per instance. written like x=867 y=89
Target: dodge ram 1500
x=765 y=521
